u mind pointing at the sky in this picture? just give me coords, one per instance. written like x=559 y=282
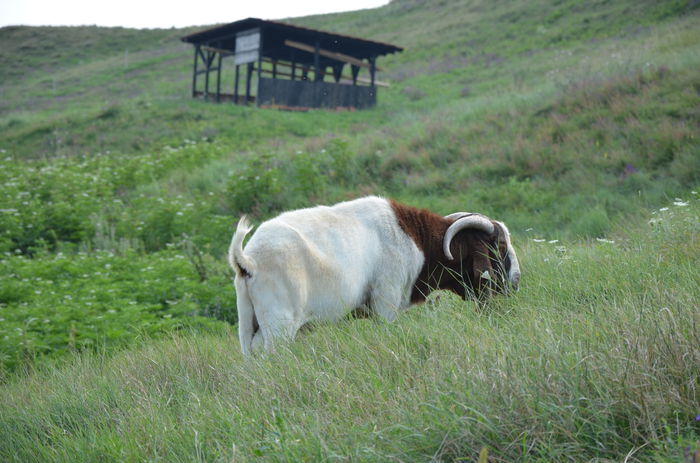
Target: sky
x=164 y=13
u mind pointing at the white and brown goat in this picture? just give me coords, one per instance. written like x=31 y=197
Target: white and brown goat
x=370 y=253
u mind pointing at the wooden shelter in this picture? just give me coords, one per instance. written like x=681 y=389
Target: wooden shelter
x=276 y=64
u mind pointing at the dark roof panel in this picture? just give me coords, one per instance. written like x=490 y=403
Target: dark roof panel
x=276 y=32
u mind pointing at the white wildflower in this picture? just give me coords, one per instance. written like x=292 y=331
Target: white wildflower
x=663 y=209
x=603 y=240
x=537 y=240
x=680 y=203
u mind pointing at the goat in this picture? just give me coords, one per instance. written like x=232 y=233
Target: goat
x=370 y=253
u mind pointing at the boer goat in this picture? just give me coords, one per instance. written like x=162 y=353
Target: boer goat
x=370 y=253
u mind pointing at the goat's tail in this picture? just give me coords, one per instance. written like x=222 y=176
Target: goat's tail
x=242 y=265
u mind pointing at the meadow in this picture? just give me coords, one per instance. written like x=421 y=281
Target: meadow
x=576 y=124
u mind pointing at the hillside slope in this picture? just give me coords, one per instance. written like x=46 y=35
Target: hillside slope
x=576 y=123
x=595 y=359
x=560 y=121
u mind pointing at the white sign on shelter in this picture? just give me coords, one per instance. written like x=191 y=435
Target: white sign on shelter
x=247 y=46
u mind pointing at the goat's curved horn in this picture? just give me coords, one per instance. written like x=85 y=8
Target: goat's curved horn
x=475 y=221
x=458 y=215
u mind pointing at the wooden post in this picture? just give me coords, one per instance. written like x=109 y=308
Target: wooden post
x=338 y=71
x=294 y=66
x=194 y=74
x=372 y=69
x=249 y=76
x=257 y=92
x=355 y=71
x=206 y=76
x=274 y=69
x=218 y=80
x=318 y=76
x=235 y=85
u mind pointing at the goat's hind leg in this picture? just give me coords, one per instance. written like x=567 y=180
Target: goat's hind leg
x=270 y=333
x=275 y=330
x=277 y=322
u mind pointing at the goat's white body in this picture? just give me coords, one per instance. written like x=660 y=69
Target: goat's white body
x=319 y=264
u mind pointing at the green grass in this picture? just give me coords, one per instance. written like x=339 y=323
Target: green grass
x=595 y=359
x=108 y=153
x=568 y=121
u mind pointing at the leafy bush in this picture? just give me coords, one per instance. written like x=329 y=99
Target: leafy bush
x=57 y=303
x=257 y=187
x=263 y=185
x=592 y=223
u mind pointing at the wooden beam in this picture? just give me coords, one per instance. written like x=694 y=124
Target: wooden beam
x=328 y=54
x=205 y=71
x=223 y=51
x=377 y=83
x=364 y=80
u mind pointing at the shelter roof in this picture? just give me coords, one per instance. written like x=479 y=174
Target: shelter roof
x=275 y=33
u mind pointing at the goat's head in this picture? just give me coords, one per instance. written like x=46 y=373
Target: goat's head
x=480 y=253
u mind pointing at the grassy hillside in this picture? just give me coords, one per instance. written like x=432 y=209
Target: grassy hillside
x=571 y=121
x=595 y=359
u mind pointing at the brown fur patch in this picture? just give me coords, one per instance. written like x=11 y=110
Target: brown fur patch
x=472 y=251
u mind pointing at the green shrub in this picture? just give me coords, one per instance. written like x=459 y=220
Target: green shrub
x=256 y=187
x=591 y=223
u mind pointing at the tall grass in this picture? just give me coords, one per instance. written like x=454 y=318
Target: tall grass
x=119 y=191
x=594 y=359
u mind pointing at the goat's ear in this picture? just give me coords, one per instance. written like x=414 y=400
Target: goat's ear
x=500 y=239
x=482 y=272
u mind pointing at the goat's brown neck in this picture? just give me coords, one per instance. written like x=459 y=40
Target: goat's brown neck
x=427 y=230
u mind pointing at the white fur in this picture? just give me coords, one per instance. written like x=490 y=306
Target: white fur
x=514 y=274
x=319 y=264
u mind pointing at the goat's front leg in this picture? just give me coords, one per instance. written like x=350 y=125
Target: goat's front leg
x=386 y=302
